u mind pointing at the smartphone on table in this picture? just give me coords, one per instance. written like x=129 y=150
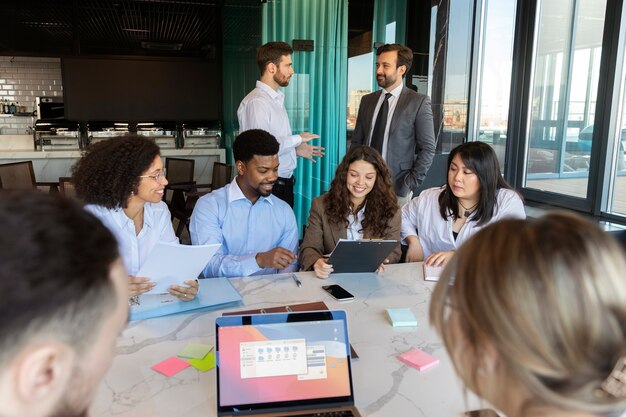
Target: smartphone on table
x=338 y=292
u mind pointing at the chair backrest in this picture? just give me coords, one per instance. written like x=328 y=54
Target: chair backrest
x=179 y=170
x=66 y=187
x=18 y=176
x=222 y=175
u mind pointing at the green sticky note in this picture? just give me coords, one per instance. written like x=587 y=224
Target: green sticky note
x=195 y=351
x=205 y=364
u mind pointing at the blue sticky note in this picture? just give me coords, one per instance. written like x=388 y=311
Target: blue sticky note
x=401 y=317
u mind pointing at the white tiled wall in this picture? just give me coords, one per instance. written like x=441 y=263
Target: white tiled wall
x=21 y=80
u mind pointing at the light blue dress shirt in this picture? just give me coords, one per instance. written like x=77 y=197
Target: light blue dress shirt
x=243 y=229
x=134 y=249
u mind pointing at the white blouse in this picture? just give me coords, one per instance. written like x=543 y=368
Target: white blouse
x=421 y=218
x=134 y=249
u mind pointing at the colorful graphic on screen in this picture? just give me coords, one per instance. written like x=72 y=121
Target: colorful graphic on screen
x=278 y=362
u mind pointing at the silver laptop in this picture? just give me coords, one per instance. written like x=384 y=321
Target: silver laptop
x=284 y=364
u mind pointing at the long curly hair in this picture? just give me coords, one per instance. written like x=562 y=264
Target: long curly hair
x=382 y=203
x=109 y=171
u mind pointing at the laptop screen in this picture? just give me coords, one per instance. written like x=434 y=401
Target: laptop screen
x=274 y=361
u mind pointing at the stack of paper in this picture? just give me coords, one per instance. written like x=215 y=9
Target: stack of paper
x=432 y=273
x=418 y=359
x=401 y=317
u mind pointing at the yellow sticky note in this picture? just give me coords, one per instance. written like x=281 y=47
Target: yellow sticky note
x=195 y=351
x=205 y=364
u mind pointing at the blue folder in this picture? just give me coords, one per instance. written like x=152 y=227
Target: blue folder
x=213 y=292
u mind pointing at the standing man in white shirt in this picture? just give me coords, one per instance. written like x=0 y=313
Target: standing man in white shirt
x=397 y=122
x=264 y=108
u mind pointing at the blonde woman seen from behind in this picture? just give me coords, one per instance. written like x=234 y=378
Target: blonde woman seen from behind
x=533 y=315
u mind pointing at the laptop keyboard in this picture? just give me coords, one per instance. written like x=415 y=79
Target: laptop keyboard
x=346 y=413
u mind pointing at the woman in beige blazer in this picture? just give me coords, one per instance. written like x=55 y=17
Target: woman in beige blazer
x=360 y=204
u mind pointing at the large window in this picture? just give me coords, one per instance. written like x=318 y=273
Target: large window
x=563 y=98
x=494 y=74
x=617 y=134
x=457 y=70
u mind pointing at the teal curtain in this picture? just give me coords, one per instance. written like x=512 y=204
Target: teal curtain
x=389 y=25
x=316 y=99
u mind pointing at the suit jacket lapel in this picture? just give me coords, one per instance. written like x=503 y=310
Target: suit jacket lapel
x=370 y=115
x=338 y=232
x=400 y=105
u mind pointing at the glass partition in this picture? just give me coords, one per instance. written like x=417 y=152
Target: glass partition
x=494 y=75
x=563 y=95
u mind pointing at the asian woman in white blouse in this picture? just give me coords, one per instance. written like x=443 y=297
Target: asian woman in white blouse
x=122 y=181
x=440 y=219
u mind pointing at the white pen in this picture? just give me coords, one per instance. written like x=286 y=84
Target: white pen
x=295 y=278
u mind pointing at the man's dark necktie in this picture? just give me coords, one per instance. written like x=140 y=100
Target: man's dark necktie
x=378 y=134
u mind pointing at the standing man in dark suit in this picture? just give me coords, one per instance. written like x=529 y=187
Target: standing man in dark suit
x=403 y=132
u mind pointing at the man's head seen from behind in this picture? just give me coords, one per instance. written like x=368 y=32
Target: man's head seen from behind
x=63 y=302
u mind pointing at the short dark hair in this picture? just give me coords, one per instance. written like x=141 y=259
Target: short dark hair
x=254 y=142
x=271 y=52
x=483 y=161
x=405 y=54
x=109 y=171
x=55 y=267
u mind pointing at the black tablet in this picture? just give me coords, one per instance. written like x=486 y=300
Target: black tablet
x=351 y=256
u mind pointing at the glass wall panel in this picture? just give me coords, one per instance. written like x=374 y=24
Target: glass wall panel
x=360 y=75
x=564 y=91
x=617 y=192
x=450 y=54
x=618 y=200
x=495 y=75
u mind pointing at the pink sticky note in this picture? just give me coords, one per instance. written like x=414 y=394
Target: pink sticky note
x=171 y=366
x=418 y=359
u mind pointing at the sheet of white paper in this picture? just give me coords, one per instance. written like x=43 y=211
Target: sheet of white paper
x=171 y=263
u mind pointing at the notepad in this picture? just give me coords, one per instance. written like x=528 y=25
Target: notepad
x=171 y=366
x=432 y=273
x=205 y=364
x=195 y=351
x=401 y=317
x=418 y=359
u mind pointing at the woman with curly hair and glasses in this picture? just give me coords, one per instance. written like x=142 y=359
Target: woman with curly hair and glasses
x=440 y=219
x=533 y=316
x=121 y=180
x=360 y=204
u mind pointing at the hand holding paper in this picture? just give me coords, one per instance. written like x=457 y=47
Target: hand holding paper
x=171 y=263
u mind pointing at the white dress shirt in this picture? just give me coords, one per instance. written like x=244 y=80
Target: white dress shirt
x=355 y=230
x=135 y=248
x=264 y=108
x=393 y=101
x=421 y=218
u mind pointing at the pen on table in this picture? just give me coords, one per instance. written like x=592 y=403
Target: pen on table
x=295 y=278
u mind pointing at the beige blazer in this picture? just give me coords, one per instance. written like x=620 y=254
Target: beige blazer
x=321 y=235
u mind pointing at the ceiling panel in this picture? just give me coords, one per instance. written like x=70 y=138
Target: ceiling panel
x=139 y=27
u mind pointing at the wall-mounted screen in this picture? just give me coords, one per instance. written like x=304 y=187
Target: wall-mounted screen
x=141 y=89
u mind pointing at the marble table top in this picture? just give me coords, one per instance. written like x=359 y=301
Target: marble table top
x=383 y=385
